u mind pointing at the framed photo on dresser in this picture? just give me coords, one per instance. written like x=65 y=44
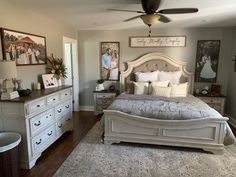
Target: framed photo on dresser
x=207 y=59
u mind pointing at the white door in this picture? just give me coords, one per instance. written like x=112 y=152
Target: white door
x=71 y=63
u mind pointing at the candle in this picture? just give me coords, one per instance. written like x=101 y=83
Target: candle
x=38 y=86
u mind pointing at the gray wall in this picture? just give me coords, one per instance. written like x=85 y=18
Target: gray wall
x=89 y=46
x=231 y=94
x=16 y=18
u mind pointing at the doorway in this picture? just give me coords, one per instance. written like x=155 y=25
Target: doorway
x=71 y=63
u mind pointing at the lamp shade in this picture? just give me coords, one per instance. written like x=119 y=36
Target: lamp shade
x=150 y=19
x=8 y=69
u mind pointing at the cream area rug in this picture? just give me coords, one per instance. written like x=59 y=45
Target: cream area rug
x=92 y=158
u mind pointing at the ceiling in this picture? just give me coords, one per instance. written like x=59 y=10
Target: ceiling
x=93 y=14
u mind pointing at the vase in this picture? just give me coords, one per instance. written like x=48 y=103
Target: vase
x=59 y=82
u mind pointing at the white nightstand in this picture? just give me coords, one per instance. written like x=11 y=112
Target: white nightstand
x=216 y=102
x=102 y=99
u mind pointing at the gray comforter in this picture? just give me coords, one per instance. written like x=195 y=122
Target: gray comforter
x=174 y=108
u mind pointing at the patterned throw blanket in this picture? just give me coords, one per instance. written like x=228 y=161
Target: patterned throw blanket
x=173 y=108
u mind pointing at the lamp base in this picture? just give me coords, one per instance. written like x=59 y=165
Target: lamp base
x=9 y=96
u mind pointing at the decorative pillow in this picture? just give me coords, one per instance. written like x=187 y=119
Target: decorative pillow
x=179 y=90
x=173 y=77
x=141 y=88
x=147 y=76
x=130 y=87
x=161 y=91
x=158 y=84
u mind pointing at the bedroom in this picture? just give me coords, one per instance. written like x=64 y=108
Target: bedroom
x=24 y=17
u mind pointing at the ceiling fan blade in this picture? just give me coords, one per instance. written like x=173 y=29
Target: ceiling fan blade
x=164 y=19
x=129 y=19
x=137 y=11
x=150 y=6
x=178 y=11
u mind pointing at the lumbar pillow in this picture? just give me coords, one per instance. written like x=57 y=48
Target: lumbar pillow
x=147 y=76
x=161 y=91
x=141 y=88
x=173 y=77
x=158 y=84
x=179 y=90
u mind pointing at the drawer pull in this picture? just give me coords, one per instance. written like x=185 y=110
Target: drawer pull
x=40 y=141
x=67 y=106
x=66 y=94
x=49 y=134
x=38 y=105
x=54 y=99
x=211 y=101
x=59 y=126
x=37 y=124
x=59 y=110
x=68 y=119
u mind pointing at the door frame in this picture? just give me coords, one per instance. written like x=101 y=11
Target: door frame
x=75 y=70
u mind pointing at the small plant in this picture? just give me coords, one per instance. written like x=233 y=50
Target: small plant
x=100 y=81
x=56 y=67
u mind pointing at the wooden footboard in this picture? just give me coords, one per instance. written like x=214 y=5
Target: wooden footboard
x=206 y=133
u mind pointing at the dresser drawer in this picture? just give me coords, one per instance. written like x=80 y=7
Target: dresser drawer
x=62 y=109
x=65 y=94
x=40 y=142
x=41 y=121
x=36 y=106
x=64 y=124
x=106 y=95
x=52 y=99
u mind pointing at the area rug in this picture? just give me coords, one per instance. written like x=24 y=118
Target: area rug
x=92 y=158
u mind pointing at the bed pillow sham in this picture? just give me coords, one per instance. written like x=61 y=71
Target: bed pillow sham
x=161 y=91
x=146 y=76
x=157 y=84
x=173 y=77
x=141 y=88
x=179 y=90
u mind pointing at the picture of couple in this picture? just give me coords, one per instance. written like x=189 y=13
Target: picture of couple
x=110 y=60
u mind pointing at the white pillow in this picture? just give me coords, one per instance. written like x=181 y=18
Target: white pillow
x=173 y=77
x=161 y=91
x=147 y=76
x=179 y=90
x=158 y=84
x=141 y=88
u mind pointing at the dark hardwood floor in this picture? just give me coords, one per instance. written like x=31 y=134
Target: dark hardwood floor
x=55 y=155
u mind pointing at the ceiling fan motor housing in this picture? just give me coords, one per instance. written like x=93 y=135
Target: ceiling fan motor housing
x=150 y=6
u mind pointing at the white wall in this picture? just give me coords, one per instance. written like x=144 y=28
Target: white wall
x=89 y=54
x=16 y=18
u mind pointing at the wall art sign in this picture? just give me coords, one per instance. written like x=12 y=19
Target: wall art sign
x=110 y=59
x=207 y=60
x=158 y=41
x=24 y=48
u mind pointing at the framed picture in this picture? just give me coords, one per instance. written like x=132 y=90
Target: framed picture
x=158 y=41
x=49 y=81
x=24 y=48
x=207 y=60
x=109 y=60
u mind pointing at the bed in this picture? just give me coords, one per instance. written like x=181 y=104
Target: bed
x=207 y=133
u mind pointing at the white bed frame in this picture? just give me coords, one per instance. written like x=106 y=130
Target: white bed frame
x=205 y=133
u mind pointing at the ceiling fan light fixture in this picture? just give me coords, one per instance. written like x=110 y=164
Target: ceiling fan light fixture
x=150 y=19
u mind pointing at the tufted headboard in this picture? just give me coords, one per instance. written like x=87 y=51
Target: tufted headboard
x=155 y=61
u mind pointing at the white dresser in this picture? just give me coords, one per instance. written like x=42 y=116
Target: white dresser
x=40 y=118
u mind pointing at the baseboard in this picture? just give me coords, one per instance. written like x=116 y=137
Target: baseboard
x=232 y=121
x=86 y=108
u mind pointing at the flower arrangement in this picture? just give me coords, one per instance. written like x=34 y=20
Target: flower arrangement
x=56 y=67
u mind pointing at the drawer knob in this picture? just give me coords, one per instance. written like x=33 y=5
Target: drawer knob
x=66 y=94
x=211 y=100
x=37 y=124
x=59 y=110
x=40 y=141
x=49 y=134
x=59 y=126
x=54 y=99
x=38 y=105
x=68 y=119
x=67 y=106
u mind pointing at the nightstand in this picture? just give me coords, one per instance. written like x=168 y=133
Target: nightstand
x=216 y=102
x=102 y=99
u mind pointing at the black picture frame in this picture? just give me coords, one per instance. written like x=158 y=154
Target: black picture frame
x=207 y=59
x=24 y=48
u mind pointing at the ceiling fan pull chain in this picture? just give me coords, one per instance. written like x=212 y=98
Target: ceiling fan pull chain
x=150 y=31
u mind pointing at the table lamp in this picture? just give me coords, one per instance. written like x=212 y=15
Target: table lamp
x=8 y=72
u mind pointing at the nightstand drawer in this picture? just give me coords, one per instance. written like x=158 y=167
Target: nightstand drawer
x=217 y=107
x=106 y=95
x=212 y=100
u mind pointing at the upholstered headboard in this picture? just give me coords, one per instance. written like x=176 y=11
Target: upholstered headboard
x=155 y=61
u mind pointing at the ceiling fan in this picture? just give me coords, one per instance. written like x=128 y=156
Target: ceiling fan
x=150 y=15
